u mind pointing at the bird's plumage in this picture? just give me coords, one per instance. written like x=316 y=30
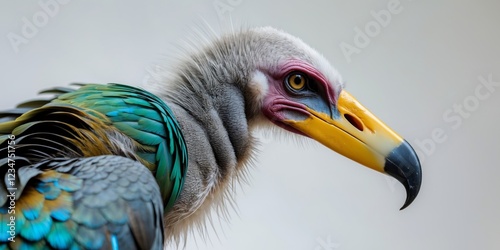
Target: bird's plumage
x=96 y=202
x=164 y=157
x=78 y=127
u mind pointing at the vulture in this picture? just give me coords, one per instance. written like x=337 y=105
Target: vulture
x=111 y=166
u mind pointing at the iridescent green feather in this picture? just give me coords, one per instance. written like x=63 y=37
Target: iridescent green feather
x=54 y=208
x=146 y=119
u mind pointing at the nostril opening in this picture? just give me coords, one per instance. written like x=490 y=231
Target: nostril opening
x=354 y=121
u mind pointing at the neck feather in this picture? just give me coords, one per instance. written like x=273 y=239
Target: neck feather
x=210 y=98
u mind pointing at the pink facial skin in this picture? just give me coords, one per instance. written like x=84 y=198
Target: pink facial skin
x=278 y=99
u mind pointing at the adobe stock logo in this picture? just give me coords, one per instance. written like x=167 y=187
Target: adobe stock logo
x=224 y=7
x=31 y=27
x=362 y=37
x=326 y=244
x=454 y=117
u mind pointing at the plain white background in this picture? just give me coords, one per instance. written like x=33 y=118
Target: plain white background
x=414 y=70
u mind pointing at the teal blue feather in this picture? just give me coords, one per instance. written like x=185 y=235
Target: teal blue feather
x=141 y=136
x=4 y=228
x=34 y=230
x=61 y=214
x=61 y=235
x=48 y=190
x=152 y=126
x=33 y=212
x=25 y=245
x=148 y=157
x=114 y=243
x=20 y=221
x=162 y=176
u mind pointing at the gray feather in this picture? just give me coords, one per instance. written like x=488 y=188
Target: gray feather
x=212 y=96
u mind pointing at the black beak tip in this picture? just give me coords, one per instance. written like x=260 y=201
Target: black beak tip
x=403 y=164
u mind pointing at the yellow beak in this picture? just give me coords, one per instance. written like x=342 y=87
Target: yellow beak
x=357 y=134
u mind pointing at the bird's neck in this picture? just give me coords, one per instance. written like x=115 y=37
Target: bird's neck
x=209 y=99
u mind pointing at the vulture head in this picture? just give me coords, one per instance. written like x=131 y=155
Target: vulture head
x=302 y=93
x=264 y=77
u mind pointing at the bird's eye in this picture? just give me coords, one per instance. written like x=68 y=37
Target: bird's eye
x=296 y=80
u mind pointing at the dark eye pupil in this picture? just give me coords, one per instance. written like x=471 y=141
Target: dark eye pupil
x=297 y=79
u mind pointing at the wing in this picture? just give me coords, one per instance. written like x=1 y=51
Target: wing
x=103 y=202
x=65 y=139
x=148 y=121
